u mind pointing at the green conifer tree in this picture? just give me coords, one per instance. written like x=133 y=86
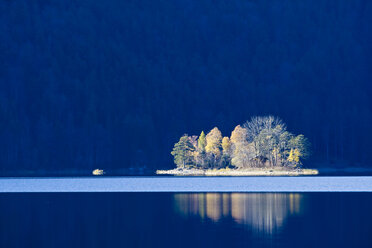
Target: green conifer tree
x=183 y=152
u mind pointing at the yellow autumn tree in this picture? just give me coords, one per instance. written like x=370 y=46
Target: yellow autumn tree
x=214 y=138
x=226 y=145
x=294 y=156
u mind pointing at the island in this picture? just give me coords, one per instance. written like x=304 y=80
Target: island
x=261 y=146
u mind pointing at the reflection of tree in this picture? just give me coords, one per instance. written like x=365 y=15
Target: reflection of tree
x=263 y=212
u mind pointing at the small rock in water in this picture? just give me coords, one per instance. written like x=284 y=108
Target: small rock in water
x=97 y=172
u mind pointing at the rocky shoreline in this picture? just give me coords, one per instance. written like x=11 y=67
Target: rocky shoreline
x=239 y=172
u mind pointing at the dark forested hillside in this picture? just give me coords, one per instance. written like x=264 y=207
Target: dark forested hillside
x=114 y=84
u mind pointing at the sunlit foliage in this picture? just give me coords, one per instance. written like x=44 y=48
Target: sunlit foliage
x=226 y=145
x=241 y=148
x=214 y=138
x=202 y=142
x=213 y=147
x=261 y=142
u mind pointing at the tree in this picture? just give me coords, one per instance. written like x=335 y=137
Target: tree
x=183 y=152
x=238 y=135
x=213 y=147
x=294 y=157
x=262 y=132
x=194 y=141
x=226 y=152
x=202 y=142
x=242 y=152
x=213 y=139
x=200 y=154
x=226 y=145
x=259 y=123
x=267 y=143
x=298 y=149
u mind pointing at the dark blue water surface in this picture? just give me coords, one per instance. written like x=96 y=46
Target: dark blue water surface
x=186 y=220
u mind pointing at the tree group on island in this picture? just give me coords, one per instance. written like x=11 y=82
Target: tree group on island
x=259 y=143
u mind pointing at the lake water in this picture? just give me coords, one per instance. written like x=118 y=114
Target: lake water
x=188 y=184
x=186 y=220
x=98 y=212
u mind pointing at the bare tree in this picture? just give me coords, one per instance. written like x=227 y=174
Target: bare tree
x=264 y=134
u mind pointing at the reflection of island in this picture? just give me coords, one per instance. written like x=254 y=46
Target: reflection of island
x=263 y=212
